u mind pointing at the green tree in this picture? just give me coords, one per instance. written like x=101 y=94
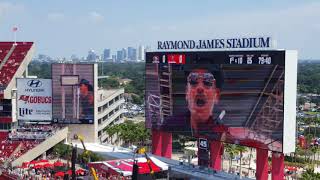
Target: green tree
x=62 y=150
x=89 y=156
x=143 y=134
x=231 y=150
x=129 y=132
x=308 y=77
x=109 y=83
x=136 y=99
x=309 y=174
x=40 y=69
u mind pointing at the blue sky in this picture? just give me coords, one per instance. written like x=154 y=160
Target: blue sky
x=61 y=28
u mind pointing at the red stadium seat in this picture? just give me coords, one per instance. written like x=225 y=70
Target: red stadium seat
x=10 y=67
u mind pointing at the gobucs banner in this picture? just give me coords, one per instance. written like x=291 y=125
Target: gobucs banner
x=34 y=99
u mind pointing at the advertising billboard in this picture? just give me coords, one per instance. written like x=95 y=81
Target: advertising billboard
x=73 y=93
x=230 y=96
x=34 y=99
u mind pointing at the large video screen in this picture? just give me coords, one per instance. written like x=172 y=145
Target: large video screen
x=73 y=93
x=230 y=96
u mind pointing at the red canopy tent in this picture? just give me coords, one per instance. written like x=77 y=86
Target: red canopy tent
x=33 y=162
x=80 y=172
x=48 y=165
x=58 y=164
x=60 y=173
x=43 y=161
x=38 y=166
x=69 y=172
x=292 y=168
x=25 y=164
x=124 y=167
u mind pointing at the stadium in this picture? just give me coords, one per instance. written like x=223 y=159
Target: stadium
x=37 y=114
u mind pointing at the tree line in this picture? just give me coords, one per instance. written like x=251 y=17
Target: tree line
x=308 y=77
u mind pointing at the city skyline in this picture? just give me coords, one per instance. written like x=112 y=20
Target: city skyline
x=107 y=55
x=60 y=30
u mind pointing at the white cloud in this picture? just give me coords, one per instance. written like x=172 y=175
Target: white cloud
x=96 y=17
x=56 y=16
x=6 y=8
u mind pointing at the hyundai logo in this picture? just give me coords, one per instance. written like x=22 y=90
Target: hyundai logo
x=34 y=83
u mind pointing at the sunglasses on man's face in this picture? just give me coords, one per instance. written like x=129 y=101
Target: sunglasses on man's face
x=207 y=79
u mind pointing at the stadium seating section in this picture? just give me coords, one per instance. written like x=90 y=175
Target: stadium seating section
x=11 y=56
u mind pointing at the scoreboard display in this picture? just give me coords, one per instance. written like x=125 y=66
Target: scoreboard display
x=241 y=97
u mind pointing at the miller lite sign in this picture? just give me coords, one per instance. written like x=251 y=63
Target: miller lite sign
x=34 y=99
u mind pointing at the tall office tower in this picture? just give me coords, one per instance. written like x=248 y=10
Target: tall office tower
x=132 y=54
x=114 y=57
x=141 y=54
x=124 y=53
x=106 y=55
x=74 y=58
x=92 y=56
x=120 y=55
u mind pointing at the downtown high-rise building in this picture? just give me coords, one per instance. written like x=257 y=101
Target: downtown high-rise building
x=132 y=54
x=114 y=58
x=141 y=53
x=120 y=56
x=106 y=55
x=92 y=56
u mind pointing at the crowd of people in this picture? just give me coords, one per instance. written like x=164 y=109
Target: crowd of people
x=29 y=135
x=25 y=146
x=35 y=128
x=22 y=139
x=33 y=132
x=7 y=147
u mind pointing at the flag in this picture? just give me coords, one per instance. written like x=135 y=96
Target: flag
x=14 y=29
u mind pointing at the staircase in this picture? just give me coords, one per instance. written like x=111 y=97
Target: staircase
x=165 y=90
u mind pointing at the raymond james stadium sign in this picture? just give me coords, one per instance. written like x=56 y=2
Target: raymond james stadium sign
x=230 y=43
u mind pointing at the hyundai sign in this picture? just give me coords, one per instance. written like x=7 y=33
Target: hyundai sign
x=34 y=99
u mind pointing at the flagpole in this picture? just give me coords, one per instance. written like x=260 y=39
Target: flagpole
x=14 y=29
x=15 y=37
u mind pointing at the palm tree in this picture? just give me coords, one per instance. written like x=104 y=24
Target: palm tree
x=231 y=149
x=129 y=132
x=310 y=175
x=308 y=141
x=313 y=150
x=241 y=150
x=62 y=150
x=143 y=134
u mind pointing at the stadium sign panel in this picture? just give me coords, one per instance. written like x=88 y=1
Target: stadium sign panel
x=241 y=97
x=222 y=43
x=34 y=99
x=203 y=144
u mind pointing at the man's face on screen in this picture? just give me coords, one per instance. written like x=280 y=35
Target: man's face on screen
x=83 y=89
x=201 y=93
